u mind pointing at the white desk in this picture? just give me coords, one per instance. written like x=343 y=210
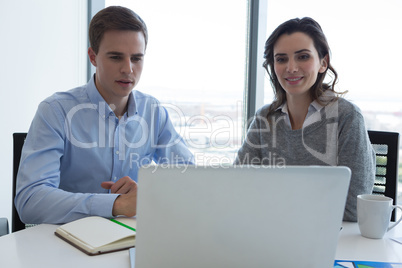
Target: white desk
x=39 y=247
x=353 y=246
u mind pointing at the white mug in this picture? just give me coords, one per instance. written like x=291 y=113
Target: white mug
x=374 y=215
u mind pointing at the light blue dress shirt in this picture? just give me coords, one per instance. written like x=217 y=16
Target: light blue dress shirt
x=76 y=142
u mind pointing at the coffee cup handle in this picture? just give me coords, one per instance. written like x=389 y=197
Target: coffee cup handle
x=400 y=218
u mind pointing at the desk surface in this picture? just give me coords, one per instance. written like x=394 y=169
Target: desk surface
x=353 y=246
x=39 y=247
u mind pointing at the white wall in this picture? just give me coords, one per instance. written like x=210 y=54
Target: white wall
x=43 y=50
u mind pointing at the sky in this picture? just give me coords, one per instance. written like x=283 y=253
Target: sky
x=197 y=48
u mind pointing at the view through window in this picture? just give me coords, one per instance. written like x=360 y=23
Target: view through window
x=195 y=66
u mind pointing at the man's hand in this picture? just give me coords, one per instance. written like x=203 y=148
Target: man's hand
x=126 y=203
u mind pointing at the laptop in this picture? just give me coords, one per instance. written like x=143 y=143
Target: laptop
x=192 y=216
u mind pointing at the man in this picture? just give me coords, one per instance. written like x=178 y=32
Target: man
x=85 y=146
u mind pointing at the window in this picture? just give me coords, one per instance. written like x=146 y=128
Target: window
x=195 y=65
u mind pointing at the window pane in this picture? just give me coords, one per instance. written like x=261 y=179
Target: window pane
x=195 y=65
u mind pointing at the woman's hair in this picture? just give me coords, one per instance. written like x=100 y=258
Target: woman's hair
x=114 y=18
x=311 y=28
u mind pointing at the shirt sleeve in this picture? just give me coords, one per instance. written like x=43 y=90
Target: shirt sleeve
x=356 y=152
x=38 y=197
x=170 y=146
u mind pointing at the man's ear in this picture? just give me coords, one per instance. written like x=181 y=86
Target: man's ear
x=92 y=56
x=324 y=64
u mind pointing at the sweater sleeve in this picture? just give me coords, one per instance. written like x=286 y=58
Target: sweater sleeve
x=356 y=152
x=250 y=151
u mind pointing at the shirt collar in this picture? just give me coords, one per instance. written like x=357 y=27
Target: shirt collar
x=283 y=107
x=131 y=107
x=103 y=108
x=325 y=98
x=314 y=105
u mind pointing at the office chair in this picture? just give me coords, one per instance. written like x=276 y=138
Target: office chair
x=386 y=147
x=3 y=226
x=18 y=140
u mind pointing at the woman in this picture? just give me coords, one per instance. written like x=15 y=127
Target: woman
x=308 y=123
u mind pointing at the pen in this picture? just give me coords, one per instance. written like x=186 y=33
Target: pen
x=122 y=224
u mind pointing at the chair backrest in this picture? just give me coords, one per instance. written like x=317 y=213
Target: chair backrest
x=4 y=226
x=386 y=147
x=18 y=140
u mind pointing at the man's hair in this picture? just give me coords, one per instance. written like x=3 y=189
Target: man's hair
x=114 y=18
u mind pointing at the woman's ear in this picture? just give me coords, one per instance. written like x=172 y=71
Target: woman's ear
x=92 y=56
x=324 y=64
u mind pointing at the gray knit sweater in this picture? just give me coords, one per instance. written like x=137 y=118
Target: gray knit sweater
x=334 y=135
